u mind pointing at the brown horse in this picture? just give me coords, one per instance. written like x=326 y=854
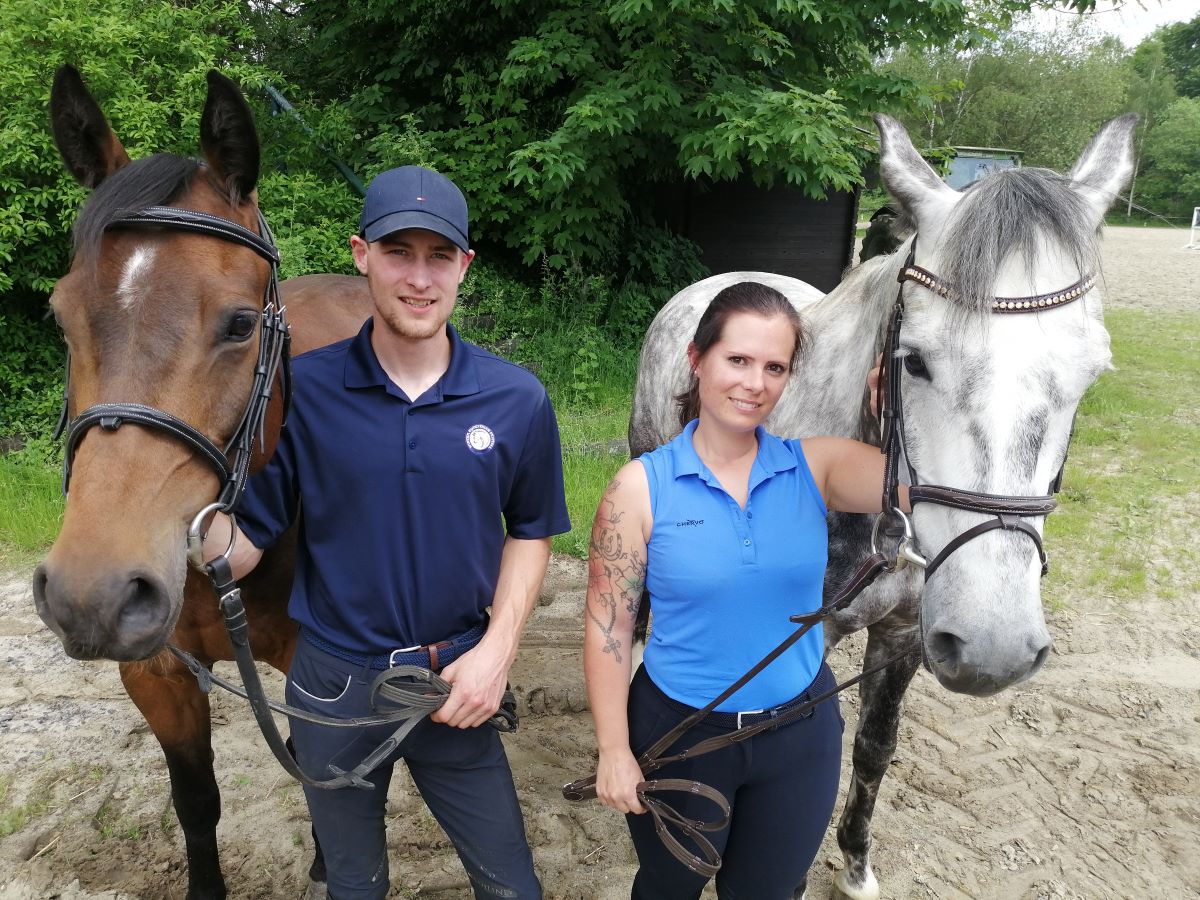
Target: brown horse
x=168 y=319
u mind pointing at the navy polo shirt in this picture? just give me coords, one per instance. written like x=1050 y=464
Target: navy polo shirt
x=403 y=505
x=724 y=580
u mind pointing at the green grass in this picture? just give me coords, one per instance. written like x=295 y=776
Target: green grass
x=1128 y=517
x=594 y=445
x=15 y=817
x=30 y=508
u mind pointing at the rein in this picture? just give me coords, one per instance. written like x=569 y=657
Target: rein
x=412 y=691
x=652 y=759
x=1008 y=511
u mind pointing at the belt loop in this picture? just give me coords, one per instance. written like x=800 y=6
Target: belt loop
x=433 y=658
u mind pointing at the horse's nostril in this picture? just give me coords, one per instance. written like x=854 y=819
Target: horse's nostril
x=40 y=579
x=945 y=647
x=144 y=605
x=1040 y=659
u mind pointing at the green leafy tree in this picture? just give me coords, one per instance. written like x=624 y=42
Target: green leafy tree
x=1181 y=45
x=1150 y=91
x=1043 y=94
x=1170 y=183
x=558 y=118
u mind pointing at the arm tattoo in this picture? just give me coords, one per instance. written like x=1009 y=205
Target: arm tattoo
x=616 y=575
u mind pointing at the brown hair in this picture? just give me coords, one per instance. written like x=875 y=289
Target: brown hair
x=743 y=297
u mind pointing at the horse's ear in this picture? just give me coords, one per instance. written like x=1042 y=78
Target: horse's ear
x=228 y=137
x=908 y=178
x=1106 y=165
x=81 y=133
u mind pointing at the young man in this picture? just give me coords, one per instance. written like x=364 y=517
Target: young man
x=426 y=477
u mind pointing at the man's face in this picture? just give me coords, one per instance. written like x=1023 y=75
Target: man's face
x=414 y=276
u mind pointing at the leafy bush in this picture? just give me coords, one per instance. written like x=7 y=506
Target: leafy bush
x=31 y=373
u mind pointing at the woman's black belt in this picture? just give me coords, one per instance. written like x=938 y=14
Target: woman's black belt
x=739 y=719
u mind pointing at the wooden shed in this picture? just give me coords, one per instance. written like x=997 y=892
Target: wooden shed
x=740 y=226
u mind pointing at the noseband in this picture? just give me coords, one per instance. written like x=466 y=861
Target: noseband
x=232 y=463
x=1008 y=512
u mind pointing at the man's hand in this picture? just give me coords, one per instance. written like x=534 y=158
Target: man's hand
x=477 y=682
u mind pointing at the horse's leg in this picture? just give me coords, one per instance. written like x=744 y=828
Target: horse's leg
x=178 y=714
x=874 y=747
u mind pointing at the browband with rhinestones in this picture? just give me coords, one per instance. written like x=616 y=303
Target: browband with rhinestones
x=927 y=279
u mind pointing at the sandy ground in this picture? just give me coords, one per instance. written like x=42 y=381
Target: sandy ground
x=1084 y=783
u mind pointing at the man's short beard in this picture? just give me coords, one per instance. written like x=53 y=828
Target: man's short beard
x=399 y=326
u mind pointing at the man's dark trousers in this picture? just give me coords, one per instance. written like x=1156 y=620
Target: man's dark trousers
x=462 y=775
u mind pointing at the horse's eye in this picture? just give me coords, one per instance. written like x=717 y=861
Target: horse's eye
x=241 y=326
x=915 y=366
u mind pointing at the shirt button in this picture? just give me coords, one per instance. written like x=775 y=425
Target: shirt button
x=749 y=515
x=412 y=445
x=747 y=542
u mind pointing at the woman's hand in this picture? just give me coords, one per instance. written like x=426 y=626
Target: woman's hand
x=617 y=778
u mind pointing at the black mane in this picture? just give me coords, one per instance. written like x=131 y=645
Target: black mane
x=150 y=181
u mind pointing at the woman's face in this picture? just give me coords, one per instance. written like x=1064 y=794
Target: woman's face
x=743 y=374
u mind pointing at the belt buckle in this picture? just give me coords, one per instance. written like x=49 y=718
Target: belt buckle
x=392 y=655
x=748 y=712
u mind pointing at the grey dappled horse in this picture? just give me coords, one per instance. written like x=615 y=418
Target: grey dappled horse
x=988 y=403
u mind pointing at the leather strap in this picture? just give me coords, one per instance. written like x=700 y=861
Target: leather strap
x=1005 y=522
x=971 y=501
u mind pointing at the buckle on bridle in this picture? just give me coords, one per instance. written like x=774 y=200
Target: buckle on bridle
x=906 y=552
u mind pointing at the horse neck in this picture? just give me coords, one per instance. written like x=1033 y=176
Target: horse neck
x=846 y=330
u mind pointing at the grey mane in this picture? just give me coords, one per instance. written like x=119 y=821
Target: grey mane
x=1017 y=211
x=150 y=181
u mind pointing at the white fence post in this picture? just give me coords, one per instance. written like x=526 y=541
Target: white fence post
x=1192 y=243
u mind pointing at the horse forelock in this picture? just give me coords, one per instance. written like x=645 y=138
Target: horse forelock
x=1015 y=214
x=151 y=181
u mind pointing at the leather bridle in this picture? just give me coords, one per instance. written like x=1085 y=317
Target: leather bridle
x=231 y=463
x=1008 y=512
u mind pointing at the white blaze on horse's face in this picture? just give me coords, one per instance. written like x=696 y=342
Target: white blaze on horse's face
x=988 y=399
x=136 y=268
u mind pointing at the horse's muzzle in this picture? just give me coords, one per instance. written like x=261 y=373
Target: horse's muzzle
x=121 y=616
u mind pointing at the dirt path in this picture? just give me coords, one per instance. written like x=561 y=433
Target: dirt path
x=1082 y=784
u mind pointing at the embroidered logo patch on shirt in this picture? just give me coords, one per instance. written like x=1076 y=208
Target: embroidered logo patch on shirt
x=480 y=439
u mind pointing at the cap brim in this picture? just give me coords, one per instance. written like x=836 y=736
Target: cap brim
x=398 y=221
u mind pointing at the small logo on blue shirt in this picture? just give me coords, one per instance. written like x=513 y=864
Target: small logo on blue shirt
x=689 y=522
x=480 y=439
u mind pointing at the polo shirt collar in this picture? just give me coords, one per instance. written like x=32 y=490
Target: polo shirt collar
x=771 y=459
x=363 y=369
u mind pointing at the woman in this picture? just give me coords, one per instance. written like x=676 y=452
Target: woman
x=725 y=527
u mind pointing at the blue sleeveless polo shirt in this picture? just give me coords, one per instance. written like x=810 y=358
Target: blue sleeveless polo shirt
x=723 y=581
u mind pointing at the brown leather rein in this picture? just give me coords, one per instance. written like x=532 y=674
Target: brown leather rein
x=1009 y=513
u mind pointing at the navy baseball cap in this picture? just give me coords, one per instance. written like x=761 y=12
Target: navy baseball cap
x=414 y=197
